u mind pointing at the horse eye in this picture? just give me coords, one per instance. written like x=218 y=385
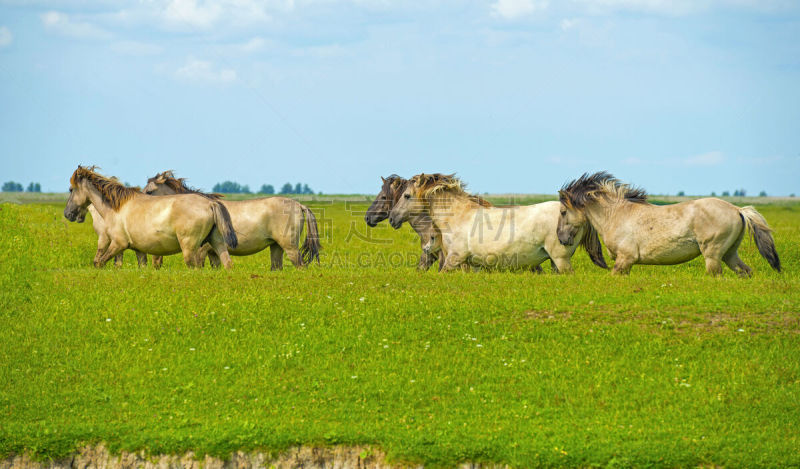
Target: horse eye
x=407 y=196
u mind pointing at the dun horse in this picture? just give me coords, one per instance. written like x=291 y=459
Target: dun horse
x=390 y=193
x=637 y=232
x=508 y=237
x=154 y=225
x=274 y=222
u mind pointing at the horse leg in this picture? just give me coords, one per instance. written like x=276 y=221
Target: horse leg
x=276 y=256
x=622 y=265
x=737 y=265
x=453 y=262
x=118 y=260
x=141 y=258
x=562 y=265
x=220 y=251
x=537 y=269
x=294 y=256
x=102 y=246
x=214 y=260
x=157 y=261
x=425 y=261
x=114 y=248
x=732 y=259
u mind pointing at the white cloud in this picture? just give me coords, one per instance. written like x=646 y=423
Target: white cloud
x=61 y=23
x=677 y=7
x=253 y=45
x=513 y=9
x=712 y=158
x=567 y=24
x=203 y=71
x=192 y=13
x=5 y=36
x=136 y=48
x=669 y=7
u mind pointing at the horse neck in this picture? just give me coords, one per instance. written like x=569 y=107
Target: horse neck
x=444 y=205
x=164 y=189
x=600 y=213
x=99 y=204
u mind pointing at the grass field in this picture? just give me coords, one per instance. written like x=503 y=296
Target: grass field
x=666 y=367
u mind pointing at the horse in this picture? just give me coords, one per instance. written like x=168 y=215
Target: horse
x=493 y=237
x=154 y=225
x=392 y=188
x=274 y=222
x=637 y=232
x=103 y=241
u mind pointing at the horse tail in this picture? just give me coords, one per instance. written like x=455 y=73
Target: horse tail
x=591 y=242
x=762 y=235
x=311 y=246
x=222 y=218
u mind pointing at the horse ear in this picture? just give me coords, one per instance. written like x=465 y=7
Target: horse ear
x=383 y=180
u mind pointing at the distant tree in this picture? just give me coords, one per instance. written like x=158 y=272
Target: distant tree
x=267 y=189
x=34 y=187
x=228 y=187
x=307 y=190
x=681 y=193
x=726 y=194
x=713 y=194
x=246 y=189
x=791 y=195
x=739 y=193
x=762 y=194
x=12 y=186
x=287 y=189
x=298 y=188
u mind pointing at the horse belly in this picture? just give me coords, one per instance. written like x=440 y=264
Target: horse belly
x=252 y=234
x=676 y=252
x=513 y=255
x=157 y=244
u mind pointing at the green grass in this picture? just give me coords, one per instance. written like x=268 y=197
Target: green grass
x=666 y=367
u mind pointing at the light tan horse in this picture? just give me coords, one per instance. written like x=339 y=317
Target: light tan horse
x=274 y=222
x=637 y=232
x=154 y=225
x=493 y=237
x=103 y=240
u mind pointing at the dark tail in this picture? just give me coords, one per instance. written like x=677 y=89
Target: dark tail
x=311 y=246
x=591 y=242
x=223 y=221
x=762 y=235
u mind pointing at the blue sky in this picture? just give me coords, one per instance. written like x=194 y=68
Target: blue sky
x=513 y=95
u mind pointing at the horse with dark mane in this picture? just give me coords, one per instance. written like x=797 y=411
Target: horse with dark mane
x=637 y=232
x=152 y=225
x=274 y=222
x=391 y=190
x=481 y=235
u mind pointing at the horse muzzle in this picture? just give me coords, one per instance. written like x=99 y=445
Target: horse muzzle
x=71 y=215
x=566 y=239
x=395 y=222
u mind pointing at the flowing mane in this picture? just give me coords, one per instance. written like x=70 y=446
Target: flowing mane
x=111 y=190
x=589 y=187
x=426 y=185
x=394 y=185
x=179 y=185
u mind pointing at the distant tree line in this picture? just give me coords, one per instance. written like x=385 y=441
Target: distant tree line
x=230 y=187
x=12 y=186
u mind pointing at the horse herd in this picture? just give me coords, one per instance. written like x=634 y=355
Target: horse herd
x=457 y=229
